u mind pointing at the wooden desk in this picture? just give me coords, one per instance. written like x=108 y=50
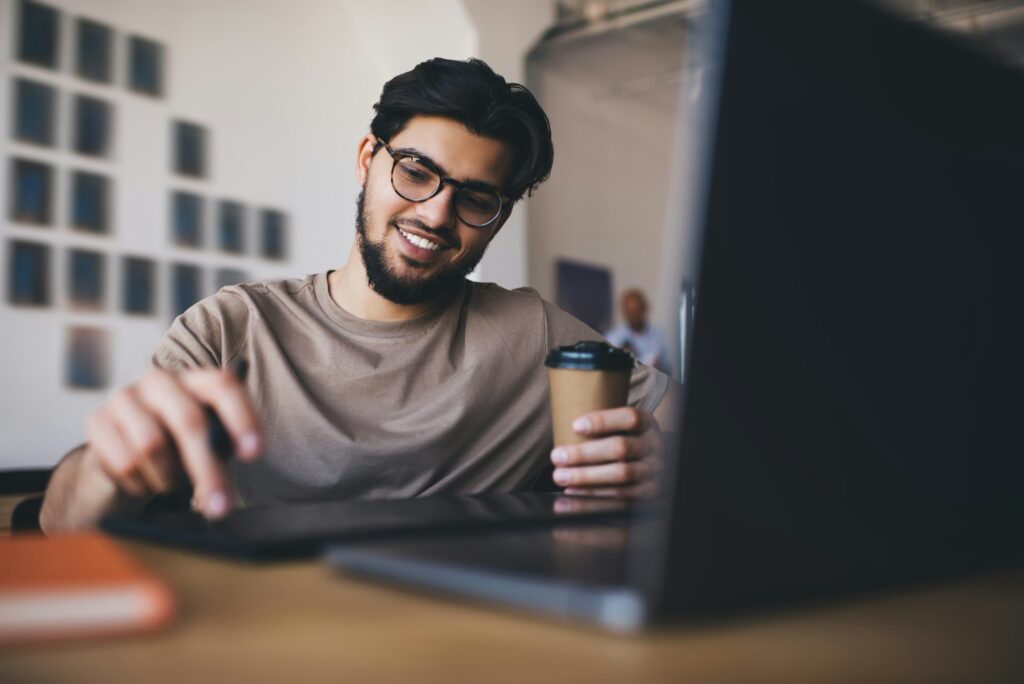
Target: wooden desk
x=301 y=622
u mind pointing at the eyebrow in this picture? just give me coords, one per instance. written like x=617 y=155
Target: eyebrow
x=472 y=182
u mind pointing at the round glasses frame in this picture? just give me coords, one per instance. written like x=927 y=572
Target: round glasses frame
x=396 y=157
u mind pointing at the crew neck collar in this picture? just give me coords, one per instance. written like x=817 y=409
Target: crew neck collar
x=362 y=326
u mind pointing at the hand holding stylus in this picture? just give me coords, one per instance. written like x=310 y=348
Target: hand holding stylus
x=145 y=433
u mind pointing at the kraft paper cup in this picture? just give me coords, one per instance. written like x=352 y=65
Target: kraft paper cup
x=585 y=377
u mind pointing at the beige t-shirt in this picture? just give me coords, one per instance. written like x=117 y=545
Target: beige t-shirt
x=453 y=401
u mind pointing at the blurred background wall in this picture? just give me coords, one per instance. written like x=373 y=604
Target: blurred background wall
x=152 y=151
x=611 y=90
x=616 y=79
x=171 y=147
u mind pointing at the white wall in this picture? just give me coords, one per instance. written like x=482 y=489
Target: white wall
x=286 y=90
x=613 y=103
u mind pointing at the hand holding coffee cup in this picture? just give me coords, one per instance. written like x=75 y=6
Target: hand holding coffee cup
x=603 y=446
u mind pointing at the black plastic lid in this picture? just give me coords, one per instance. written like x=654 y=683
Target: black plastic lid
x=589 y=356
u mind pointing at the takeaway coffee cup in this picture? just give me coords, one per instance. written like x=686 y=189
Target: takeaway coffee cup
x=586 y=376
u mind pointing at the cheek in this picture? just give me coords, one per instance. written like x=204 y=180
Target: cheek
x=381 y=203
x=474 y=243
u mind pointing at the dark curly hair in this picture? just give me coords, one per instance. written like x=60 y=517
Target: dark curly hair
x=485 y=103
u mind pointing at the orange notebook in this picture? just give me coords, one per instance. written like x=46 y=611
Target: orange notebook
x=75 y=585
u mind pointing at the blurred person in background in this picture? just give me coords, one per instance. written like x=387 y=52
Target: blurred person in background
x=637 y=335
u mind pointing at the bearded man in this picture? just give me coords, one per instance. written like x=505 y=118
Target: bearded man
x=392 y=375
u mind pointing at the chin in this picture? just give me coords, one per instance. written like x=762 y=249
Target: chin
x=412 y=270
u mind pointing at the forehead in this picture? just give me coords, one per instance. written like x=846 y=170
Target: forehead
x=463 y=155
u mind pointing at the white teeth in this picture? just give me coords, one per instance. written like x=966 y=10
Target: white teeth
x=420 y=241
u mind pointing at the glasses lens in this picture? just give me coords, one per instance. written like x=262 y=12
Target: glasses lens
x=414 y=181
x=477 y=207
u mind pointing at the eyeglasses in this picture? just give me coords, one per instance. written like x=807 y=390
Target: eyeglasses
x=417 y=180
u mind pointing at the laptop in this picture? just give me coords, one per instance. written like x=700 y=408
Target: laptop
x=855 y=373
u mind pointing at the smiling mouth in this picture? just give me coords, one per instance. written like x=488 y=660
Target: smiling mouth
x=419 y=241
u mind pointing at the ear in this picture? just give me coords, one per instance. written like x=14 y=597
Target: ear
x=364 y=154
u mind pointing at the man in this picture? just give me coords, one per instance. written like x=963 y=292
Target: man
x=638 y=336
x=391 y=376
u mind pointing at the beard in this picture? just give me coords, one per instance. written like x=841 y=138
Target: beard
x=397 y=288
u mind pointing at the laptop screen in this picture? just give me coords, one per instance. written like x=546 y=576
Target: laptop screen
x=854 y=379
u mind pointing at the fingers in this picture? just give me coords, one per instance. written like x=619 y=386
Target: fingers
x=620 y=419
x=142 y=435
x=146 y=440
x=221 y=390
x=617 y=465
x=182 y=417
x=617 y=448
x=610 y=449
x=607 y=474
x=114 y=455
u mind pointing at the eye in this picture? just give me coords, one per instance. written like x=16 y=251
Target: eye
x=416 y=173
x=480 y=201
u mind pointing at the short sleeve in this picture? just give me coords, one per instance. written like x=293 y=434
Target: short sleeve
x=208 y=335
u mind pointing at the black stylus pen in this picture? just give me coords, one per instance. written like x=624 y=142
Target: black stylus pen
x=218 y=436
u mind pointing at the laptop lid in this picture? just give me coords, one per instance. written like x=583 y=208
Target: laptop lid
x=854 y=378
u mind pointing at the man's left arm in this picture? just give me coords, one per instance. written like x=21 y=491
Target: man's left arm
x=624 y=452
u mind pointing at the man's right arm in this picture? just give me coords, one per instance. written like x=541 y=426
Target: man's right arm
x=79 y=494
x=141 y=438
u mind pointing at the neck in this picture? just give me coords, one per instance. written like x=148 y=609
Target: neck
x=351 y=290
x=639 y=327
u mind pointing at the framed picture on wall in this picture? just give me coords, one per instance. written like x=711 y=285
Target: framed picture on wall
x=585 y=291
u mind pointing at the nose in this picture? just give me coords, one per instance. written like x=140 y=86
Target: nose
x=439 y=210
